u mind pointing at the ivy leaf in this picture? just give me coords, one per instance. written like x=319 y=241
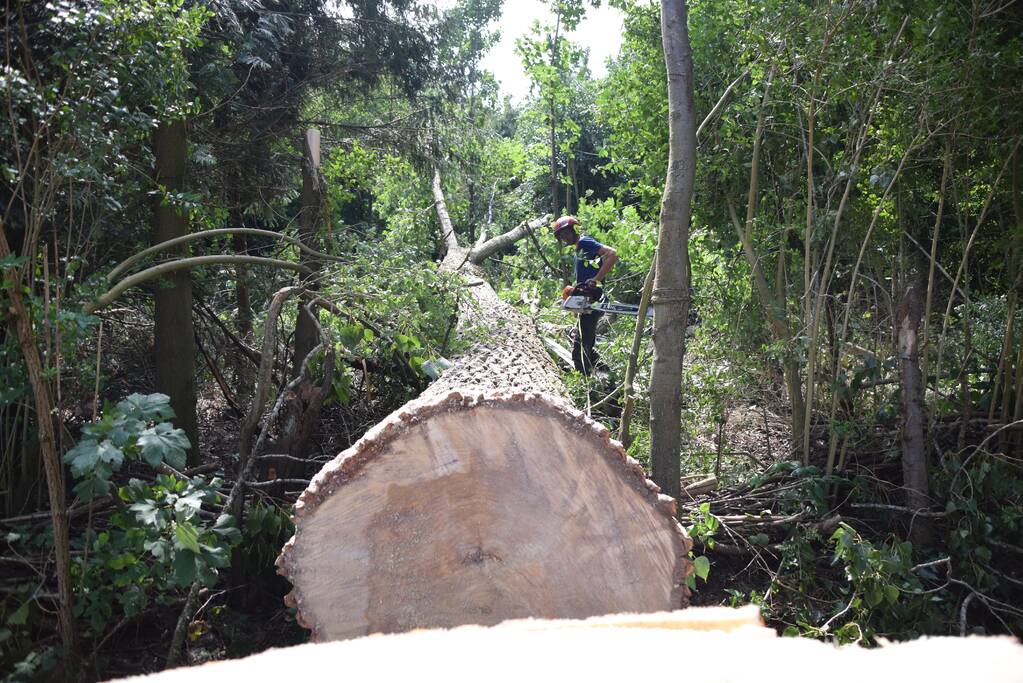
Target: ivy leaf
x=188 y=536
x=702 y=566
x=164 y=443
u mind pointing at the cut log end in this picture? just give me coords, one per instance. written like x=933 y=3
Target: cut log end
x=473 y=509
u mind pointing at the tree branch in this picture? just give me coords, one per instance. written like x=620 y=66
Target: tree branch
x=506 y=240
x=191 y=237
x=153 y=272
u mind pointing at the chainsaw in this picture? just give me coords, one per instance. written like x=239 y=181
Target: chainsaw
x=582 y=300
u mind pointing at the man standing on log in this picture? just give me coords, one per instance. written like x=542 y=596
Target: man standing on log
x=593 y=261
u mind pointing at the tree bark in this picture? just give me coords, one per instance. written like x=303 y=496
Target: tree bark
x=243 y=374
x=671 y=280
x=173 y=331
x=628 y=386
x=914 y=420
x=487 y=498
x=44 y=408
x=306 y=335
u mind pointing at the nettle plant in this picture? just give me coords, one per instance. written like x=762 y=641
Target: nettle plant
x=160 y=538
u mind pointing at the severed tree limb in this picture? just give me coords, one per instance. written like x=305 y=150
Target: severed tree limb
x=450 y=239
x=721 y=102
x=108 y=297
x=504 y=241
x=480 y=252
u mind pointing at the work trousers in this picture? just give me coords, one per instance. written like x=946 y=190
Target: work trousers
x=583 y=355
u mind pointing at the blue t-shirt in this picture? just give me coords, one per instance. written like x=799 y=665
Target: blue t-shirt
x=587 y=258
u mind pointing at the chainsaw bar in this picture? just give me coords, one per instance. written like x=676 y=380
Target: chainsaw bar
x=581 y=304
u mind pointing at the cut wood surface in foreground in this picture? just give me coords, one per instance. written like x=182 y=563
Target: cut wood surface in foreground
x=488 y=498
x=733 y=643
x=476 y=509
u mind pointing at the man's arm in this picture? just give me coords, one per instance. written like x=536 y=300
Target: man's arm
x=608 y=257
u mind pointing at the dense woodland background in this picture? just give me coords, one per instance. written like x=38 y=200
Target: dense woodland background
x=853 y=375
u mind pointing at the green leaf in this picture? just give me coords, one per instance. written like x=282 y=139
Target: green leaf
x=91 y=488
x=148 y=513
x=184 y=568
x=83 y=456
x=164 y=443
x=702 y=566
x=110 y=454
x=227 y=529
x=188 y=536
x=20 y=616
x=891 y=593
x=159 y=549
x=874 y=596
x=147 y=407
x=790 y=632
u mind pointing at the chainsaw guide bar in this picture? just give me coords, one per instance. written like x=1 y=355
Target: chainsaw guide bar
x=581 y=304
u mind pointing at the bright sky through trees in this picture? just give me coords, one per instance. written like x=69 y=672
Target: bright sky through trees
x=600 y=33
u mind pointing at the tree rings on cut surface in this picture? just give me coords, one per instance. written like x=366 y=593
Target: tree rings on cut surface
x=473 y=509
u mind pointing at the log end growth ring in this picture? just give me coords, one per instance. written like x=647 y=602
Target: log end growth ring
x=474 y=509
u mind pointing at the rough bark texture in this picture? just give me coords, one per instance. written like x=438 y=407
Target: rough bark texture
x=306 y=335
x=735 y=645
x=914 y=448
x=487 y=498
x=44 y=407
x=174 y=334
x=671 y=280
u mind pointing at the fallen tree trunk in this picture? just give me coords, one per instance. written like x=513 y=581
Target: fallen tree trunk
x=487 y=498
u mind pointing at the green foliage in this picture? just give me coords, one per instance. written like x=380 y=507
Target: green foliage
x=128 y=430
x=159 y=542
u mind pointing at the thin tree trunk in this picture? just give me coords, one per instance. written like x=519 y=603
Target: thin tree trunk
x=306 y=335
x=628 y=389
x=946 y=165
x=173 y=329
x=914 y=449
x=52 y=465
x=244 y=376
x=671 y=279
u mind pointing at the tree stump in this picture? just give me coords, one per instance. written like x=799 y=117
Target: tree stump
x=487 y=498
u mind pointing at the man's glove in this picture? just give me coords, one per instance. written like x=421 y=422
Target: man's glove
x=591 y=284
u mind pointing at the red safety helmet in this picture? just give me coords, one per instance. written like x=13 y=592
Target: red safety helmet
x=564 y=222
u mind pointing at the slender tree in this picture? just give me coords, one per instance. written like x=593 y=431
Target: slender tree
x=671 y=281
